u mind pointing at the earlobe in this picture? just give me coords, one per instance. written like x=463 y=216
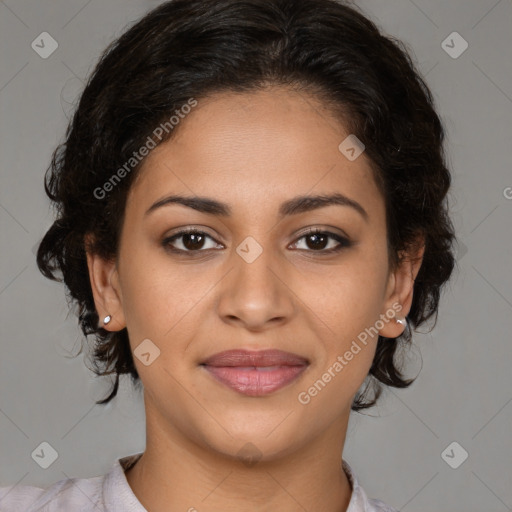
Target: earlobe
x=103 y=276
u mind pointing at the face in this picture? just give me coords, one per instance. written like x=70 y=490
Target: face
x=252 y=277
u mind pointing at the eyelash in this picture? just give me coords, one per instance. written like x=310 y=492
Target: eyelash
x=343 y=242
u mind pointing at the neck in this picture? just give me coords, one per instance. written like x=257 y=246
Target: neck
x=175 y=473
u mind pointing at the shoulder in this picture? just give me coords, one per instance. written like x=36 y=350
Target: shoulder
x=359 y=501
x=379 y=506
x=77 y=494
x=110 y=491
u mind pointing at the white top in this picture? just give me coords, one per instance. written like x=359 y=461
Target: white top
x=112 y=493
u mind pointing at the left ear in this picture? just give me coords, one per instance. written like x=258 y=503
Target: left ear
x=401 y=286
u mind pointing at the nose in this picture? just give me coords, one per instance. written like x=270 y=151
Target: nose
x=255 y=295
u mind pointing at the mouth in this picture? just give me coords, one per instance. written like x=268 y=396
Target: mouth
x=255 y=373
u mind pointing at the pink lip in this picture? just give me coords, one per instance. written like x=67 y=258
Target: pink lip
x=255 y=373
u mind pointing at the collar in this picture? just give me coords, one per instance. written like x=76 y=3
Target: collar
x=119 y=497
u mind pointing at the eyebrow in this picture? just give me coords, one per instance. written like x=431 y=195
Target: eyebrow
x=294 y=206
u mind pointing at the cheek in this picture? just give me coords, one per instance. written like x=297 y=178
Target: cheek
x=349 y=295
x=344 y=306
x=163 y=301
x=153 y=295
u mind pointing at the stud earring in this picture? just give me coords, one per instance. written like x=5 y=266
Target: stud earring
x=402 y=321
x=107 y=319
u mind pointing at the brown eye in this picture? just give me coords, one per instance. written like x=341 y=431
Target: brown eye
x=318 y=241
x=193 y=241
x=190 y=240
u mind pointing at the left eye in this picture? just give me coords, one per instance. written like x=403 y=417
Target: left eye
x=316 y=241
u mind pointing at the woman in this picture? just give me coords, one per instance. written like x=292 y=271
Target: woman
x=252 y=217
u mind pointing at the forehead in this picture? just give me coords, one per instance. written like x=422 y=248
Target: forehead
x=256 y=148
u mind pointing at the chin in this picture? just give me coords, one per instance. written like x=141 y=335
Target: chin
x=250 y=446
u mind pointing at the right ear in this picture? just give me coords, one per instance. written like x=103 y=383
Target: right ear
x=106 y=291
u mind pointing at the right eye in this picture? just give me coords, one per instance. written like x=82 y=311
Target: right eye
x=190 y=240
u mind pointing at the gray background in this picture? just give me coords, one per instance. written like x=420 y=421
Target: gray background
x=464 y=390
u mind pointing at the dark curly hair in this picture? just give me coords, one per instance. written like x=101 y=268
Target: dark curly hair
x=187 y=49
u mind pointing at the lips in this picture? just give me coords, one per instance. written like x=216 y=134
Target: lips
x=255 y=373
x=260 y=358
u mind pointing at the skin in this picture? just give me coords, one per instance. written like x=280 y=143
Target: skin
x=252 y=151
